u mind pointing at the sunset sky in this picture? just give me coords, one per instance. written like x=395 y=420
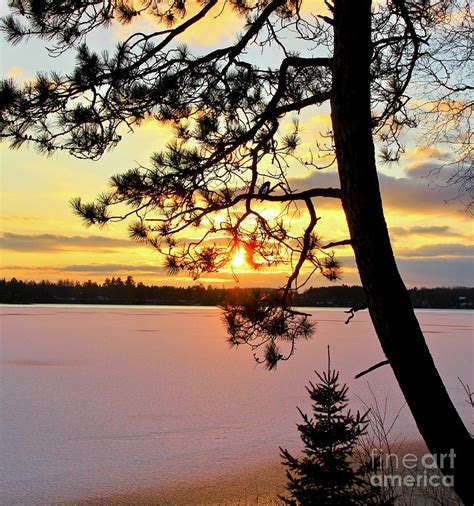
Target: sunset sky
x=42 y=239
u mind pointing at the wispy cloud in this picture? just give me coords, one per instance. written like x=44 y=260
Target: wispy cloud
x=440 y=250
x=111 y=268
x=430 y=230
x=425 y=231
x=408 y=194
x=20 y=218
x=53 y=242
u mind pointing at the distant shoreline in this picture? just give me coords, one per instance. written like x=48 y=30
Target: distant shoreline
x=114 y=305
x=116 y=291
x=190 y=305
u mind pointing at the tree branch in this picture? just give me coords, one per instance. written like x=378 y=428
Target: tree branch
x=337 y=243
x=370 y=369
x=354 y=310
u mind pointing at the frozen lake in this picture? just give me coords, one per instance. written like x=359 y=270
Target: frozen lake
x=107 y=398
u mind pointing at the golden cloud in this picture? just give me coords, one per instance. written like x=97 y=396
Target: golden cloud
x=15 y=72
x=221 y=24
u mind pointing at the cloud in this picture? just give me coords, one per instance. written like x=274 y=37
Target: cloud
x=413 y=193
x=434 y=230
x=424 y=153
x=225 y=24
x=15 y=72
x=422 y=170
x=419 y=231
x=20 y=218
x=428 y=271
x=416 y=271
x=221 y=25
x=432 y=272
x=440 y=250
x=52 y=242
x=112 y=269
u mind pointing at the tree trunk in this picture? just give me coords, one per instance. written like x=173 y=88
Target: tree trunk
x=388 y=301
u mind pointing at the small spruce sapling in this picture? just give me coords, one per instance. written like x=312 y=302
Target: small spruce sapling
x=326 y=473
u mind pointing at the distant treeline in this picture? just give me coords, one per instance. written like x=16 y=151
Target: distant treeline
x=119 y=291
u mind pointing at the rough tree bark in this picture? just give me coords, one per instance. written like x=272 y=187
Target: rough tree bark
x=389 y=304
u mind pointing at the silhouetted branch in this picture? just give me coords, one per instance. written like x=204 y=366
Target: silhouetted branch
x=468 y=391
x=370 y=369
x=353 y=310
x=345 y=242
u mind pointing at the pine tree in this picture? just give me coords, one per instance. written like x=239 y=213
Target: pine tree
x=326 y=473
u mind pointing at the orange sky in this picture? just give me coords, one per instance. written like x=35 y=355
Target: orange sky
x=42 y=239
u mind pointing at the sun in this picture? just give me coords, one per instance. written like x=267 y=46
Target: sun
x=239 y=258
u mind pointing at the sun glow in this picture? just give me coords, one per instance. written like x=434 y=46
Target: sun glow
x=238 y=259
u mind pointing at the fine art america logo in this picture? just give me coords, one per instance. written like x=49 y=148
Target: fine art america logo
x=411 y=470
